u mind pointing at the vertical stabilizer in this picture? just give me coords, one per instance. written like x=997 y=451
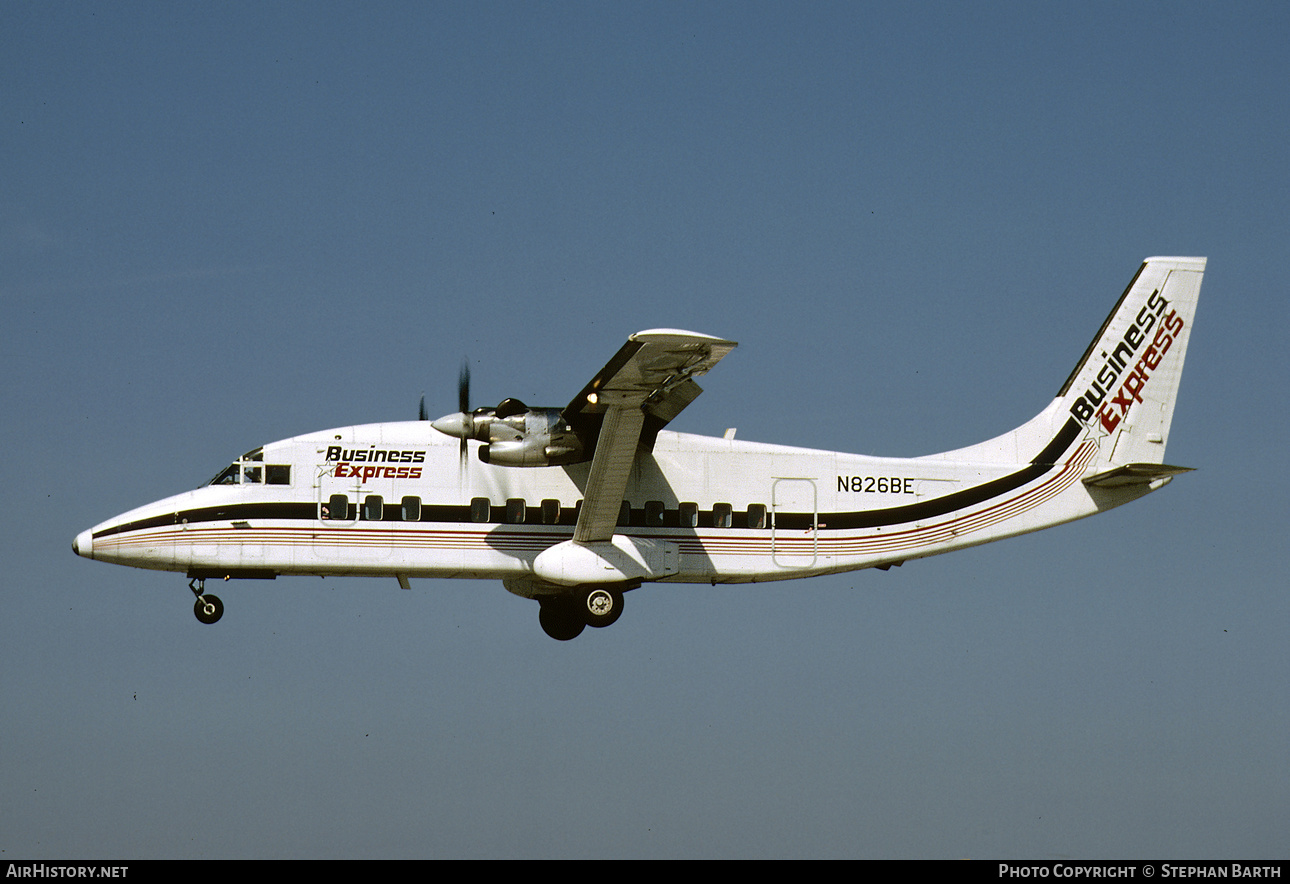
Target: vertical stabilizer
x=1125 y=387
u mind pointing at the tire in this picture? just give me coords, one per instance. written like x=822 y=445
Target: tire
x=561 y=620
x=208 y=608
x=602 y=607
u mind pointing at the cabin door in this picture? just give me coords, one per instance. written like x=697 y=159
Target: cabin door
x=794 y=540
x=352 y=523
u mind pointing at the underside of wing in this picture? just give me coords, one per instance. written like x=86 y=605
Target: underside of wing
x=647 y=383
x=654 y=371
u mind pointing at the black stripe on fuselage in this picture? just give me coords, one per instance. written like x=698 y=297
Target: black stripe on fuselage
x=1043 y=462
x=227 y=512
x=914 y=512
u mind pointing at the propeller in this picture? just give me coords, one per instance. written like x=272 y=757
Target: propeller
x=463 y=405
x=493 y=426
x=513 y=434
x=461 y=424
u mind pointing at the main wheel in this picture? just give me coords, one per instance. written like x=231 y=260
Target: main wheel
x=208 y=608
x=561 y=620
x=601 y=606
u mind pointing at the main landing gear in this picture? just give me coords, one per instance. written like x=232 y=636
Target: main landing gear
x=208 y=608
x=564 y=617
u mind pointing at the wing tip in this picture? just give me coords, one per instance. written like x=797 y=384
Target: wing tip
x=677 y=336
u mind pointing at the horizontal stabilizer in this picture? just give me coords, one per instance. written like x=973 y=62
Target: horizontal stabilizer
x=1134 y=474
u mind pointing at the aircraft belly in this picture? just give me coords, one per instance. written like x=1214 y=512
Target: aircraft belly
x=359 y=543
x=444 y=550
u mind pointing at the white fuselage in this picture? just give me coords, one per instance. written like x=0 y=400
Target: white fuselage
x=574 y=506
x=701 y=509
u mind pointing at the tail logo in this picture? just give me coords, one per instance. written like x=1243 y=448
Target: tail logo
x=1091 y=406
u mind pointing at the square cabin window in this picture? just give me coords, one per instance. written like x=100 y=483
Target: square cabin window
x=515 y=510
x=479 y=509
x=722 y=515
x=689 y=513
x=373 y=508
x=654 y=513
x=336 y=508
x=756 y=515
x=411 y=509
x=550 y=512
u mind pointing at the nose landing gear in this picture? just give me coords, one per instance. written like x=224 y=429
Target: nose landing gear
x=208 y=608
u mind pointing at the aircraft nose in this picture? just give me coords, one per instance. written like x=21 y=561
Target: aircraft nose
x=83 y=544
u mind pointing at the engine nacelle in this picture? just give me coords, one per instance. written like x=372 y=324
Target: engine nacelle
x=515 y=435
x=532 y=452
x=536 y=437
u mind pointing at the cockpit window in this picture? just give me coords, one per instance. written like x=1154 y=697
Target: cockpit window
x=230 y=476
x=250 y=469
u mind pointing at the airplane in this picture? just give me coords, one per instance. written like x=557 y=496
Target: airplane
x=573 y=507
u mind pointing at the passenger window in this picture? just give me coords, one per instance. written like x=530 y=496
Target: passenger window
x=756 y=515
x=550 y=512
x=722 y=515
x=689 y=513
x=412 y=509
x=479 y=509
x=515 y=510
x=373 y=508
x=624 y=513
x=654 y=513
x=277 y=474
x=336 y=508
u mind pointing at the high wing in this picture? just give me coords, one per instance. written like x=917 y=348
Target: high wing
x=649 y=381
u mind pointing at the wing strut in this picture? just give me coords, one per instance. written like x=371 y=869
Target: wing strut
x=610 y=468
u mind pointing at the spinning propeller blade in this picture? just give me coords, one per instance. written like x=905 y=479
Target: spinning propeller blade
x=463 y=404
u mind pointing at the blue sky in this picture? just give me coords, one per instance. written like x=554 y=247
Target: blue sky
x=225 y=224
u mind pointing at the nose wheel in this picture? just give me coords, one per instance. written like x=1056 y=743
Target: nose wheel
x=208 y=608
